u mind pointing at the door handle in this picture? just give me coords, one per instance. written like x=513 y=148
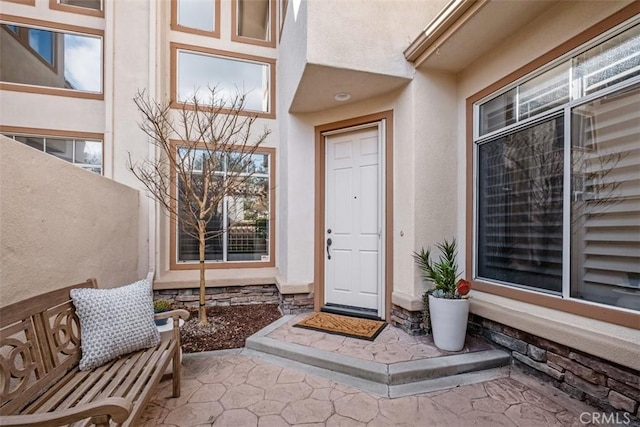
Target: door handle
x=329 y=242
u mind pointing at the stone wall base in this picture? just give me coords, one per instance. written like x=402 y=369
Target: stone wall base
x=409 y=321
x=296 y=303
x=238 y=295
x=601 y=383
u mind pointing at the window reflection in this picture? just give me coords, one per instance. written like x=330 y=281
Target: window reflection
x=82 y=152
x=198 y=14
x=89 y=4
x=39 y=57
x=253 y=19
x=198 y=72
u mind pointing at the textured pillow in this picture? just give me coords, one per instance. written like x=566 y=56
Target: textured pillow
x=114 y=322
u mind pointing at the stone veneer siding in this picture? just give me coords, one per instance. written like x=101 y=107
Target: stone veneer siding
x=296 y=303
x=238 y=295
x=603 y=384
x=409 y=321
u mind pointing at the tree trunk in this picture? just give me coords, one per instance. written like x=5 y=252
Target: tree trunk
x=202 y=312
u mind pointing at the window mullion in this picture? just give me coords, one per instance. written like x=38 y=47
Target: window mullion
x=566 y=207
x=225 y=216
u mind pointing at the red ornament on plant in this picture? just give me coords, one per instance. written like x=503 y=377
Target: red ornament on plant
x=463 y=287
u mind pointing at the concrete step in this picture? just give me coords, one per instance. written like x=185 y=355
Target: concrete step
x=394 y=379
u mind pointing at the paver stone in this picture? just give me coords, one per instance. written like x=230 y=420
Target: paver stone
x=403 y=410
x=360 y=407
x=288 y=392
x=336 y=420
x=264 y=376
x=272 y=421
x=267 y=407
x=454 y=402
x=528 y=415
x=288 y=376
x=208 y=393
x=307 y=411
x=236 y=418
x=241 y=396
x=194 y=413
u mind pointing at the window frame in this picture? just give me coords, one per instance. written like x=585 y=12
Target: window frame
x=175 y=47
x=175 y=25
x=174 y=264
x=23 y=2
x=56 y=5
x=271 y=42
x=572 y=47
x=59 y=134
x=284 y=5
x=59 y=28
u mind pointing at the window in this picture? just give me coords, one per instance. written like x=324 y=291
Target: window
x=85 y=153
x=557 y=193
x=240 y=224
x=53 y=59
x=196 y=16
x=89 y=4
x=253 y=22
x=84 y=7
x=38 y=43
x=196 y=71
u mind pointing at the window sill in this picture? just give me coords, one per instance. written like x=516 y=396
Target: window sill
x=222 y=277
x=618 y=344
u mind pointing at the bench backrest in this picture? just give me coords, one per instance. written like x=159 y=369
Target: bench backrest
x=39 y=343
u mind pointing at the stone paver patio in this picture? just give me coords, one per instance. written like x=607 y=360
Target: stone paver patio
x=237 y=388
x=392 y=345
x=229 y=389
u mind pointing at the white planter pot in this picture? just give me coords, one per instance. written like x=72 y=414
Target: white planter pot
x=449 y=322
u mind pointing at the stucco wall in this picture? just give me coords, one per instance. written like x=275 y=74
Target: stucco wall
x=60 y=225
x=368 y=35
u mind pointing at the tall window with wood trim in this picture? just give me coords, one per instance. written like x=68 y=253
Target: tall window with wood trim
x=557 y=193
x=241 y=221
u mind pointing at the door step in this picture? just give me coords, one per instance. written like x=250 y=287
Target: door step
x=385 y=379
x=347 y=310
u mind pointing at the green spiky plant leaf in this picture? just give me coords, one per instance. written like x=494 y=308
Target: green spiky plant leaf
x=442 y=273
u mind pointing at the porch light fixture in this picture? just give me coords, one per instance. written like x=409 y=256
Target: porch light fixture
x=342 y=96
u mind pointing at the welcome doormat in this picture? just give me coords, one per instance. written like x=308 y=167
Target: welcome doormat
x=353 y=327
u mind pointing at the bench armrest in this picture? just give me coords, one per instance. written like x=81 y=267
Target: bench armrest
x=174 y=314
x=117 y=408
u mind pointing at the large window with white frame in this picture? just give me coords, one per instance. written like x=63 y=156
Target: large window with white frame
x=250 y=77
x=557 y=181
x=240 y=225
x=85 y=153
x=33 y=56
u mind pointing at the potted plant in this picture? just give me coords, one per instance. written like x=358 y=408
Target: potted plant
x=448 y=303
x=160 y=306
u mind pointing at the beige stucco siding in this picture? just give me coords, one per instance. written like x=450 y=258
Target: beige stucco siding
x=60 y=225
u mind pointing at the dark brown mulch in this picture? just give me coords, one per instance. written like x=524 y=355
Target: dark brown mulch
x=228 y=327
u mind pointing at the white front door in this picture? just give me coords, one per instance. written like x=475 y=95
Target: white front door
x=353 y=219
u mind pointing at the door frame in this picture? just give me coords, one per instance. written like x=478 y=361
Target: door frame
x=387 y=204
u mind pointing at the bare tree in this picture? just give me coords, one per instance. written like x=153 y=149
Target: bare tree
x=206 y=153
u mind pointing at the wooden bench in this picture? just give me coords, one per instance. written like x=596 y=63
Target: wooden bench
x=39 y=377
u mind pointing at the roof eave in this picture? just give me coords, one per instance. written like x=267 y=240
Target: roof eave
x=452 y=17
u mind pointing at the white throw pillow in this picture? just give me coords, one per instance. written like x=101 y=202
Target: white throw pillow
x=114 y=322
